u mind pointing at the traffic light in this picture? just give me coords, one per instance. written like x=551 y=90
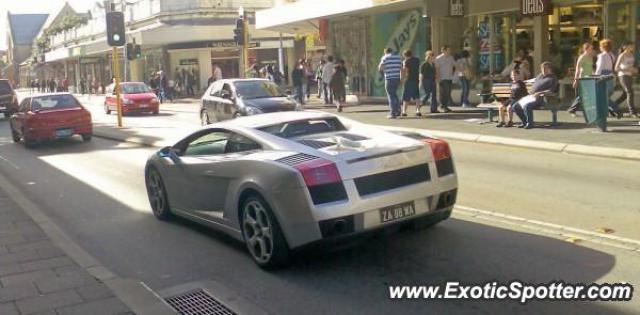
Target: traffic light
x=238 y=36
x=115 y=29
x=138 y=51
x=130 y=52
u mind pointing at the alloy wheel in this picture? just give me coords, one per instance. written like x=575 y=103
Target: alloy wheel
x=258 y=231
x=204 y=118
x=156 y=194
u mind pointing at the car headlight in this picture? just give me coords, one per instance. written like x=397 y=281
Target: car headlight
x=252 y=110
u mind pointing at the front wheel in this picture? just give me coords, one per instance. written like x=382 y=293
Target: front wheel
x=87 y=137
x=15 y=136
x=262 y=234
x=107 y=110
x=204 y=118
x=157 y=195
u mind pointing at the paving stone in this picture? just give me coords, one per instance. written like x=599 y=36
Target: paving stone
x=48 y=263
x=19 y=257
x=34 y=235
x=13 y=239
x=62 y=271
x=94 y=292
x=69 y=281
x=9 y=269
x=48 y=302
x=27 y=277
x=101 y=307
x=50 y=252
x=8 y=309
x=31 y=246
x=17 y=292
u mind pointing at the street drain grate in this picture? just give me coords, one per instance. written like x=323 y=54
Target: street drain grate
x=198 y=302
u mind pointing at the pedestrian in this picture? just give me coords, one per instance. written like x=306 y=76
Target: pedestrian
x=411 y=77
x=217 y=72
x=546 y=82
x=95 y=85
x=319 y=77
x=445 y=65
x=327 y=73
x=253 y=72
x=52 y=85
x=309 y=76
x=626 y=68
x=463 y=71
x=584 y=68
x=38 y=85
x=297 y=78
x=83 y=86
x=337 y=85
x=518 y=91
x=191 y=82
x=428 y=81
x=390 y=65
x=605 y=65
x=210 y=80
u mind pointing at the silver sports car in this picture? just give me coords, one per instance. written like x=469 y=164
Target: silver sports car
x=284 y=180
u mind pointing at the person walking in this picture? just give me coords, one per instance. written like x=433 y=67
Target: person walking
x=605 y=65
x=327 y=73
x=319 y=77
x=410 y=75
x=391 y=65
x=343 y=69
x=428 y=81
x=584 y=68
x=463 y=71
x=309 y=76
x=337 y=85
x=297 y=78
x=445 y=65
x=626 y=68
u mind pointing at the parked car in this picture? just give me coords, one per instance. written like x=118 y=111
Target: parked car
x=136 y=97
x=8 y=99
x=49 y=117
x=232 y=98
x=282 y=181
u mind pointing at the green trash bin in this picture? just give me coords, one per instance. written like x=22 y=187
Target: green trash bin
x=594 y=93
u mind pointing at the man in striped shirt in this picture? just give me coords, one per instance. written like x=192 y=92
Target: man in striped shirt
x=391 y=65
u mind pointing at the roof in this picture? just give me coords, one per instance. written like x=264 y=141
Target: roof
x=25 y=27
x=262 y=120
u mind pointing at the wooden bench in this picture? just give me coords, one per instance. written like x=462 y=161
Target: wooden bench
x=500 y=92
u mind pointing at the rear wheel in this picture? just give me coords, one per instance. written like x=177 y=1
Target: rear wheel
x=156 y=112
x=157 y=195
x=87 y=137
x=262 y=234
x=106 y=109
x=237 y=114
x=15 y=136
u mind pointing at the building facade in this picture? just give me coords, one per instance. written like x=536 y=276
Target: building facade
x=21 y=33
x=492 y=31
x=183 y=38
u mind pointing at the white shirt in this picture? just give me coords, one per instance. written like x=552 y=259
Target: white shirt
x=327 y=72
x=217 y=73
x=445 y=65
x=606 y=61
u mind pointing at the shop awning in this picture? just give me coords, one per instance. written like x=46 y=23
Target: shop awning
x=302 y=17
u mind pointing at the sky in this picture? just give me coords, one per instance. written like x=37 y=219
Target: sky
x=35 y=6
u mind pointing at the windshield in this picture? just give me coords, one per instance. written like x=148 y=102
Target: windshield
x=258 y=89
x=137 y=88
x=299 y=128
x=53 y=102
x=5 y=88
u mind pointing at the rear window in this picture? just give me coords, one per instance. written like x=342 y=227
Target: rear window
x=300 y=128
x=53 y=102
x=5 y=87
x=135 y=88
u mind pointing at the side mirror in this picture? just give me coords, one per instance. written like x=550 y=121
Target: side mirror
x=226 y=95
x=169 y=152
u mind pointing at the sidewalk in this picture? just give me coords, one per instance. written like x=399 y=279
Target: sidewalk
x=37 y=277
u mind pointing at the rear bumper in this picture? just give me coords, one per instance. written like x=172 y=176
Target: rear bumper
x=50 y=133
x=138 y=109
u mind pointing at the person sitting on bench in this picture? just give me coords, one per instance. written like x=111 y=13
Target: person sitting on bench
x=545 y=83
x=518 y=91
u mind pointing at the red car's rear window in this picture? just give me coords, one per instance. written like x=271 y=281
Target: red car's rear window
x=53 y=102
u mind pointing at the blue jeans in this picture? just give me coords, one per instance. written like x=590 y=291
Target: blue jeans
x=299 y=93
x=525 y=111
x=391 y=87
x=464 y=98
x=430 y=90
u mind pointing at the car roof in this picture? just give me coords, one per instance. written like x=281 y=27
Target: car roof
x=269 y=119
x=48 y=94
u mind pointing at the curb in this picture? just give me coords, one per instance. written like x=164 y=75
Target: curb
x=135 y=295
x=577 y=149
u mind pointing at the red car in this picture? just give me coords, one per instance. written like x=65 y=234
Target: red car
x=136 y=97
x=49 y=117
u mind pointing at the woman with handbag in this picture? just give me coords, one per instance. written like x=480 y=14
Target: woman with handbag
x=625 y=66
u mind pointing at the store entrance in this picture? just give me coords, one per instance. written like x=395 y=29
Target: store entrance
x=230 y=67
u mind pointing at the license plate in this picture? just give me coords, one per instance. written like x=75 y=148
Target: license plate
x=397 y=212
x=64 y=133
x=144 y=105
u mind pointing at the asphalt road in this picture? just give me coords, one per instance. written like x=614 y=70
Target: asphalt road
x=95 y=192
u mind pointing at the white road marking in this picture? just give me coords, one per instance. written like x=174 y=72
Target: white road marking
x=2 y=158
x=558 y=230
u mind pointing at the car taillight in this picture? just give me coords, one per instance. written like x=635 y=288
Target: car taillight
x=318 y=172
x=439 y=148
